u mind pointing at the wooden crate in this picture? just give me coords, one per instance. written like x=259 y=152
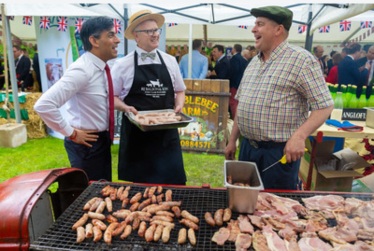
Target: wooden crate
x=208 y=102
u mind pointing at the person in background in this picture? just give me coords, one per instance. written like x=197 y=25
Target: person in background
x=348 y=70
x=199 y=66
x=246 y=54
x=86 y=89
x=275 y=95
x=222 y=65
x=35 y=61
x=369 y=80
x=237 y=67
x=148 y=79
x=329 y=62
x=344 y=52
x=318 y=53
x=333 y=74
x=23 y=66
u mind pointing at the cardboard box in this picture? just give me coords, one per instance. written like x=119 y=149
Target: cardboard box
x=335 y=179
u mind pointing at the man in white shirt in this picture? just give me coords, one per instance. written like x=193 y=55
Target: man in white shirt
x=85 y=88
x=148 y=79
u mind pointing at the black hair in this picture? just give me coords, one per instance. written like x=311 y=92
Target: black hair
x=94 y=27
x=196 y=44
x=219 y=48
x=238 y=48
x=332 y=53
x=353 y=48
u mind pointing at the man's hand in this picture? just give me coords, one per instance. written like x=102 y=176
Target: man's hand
x=83 y=136
x=294 y=149
x=230 y=151
x=178 y=108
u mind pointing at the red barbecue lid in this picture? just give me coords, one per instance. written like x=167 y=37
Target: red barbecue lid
x=18 y=196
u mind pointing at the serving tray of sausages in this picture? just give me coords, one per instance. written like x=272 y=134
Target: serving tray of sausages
x=159 y=119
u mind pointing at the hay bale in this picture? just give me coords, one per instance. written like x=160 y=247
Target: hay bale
x=35 y=126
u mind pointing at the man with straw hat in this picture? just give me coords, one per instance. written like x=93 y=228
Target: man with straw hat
x=148 y=79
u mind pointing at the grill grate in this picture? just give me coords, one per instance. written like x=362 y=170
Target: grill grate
x=195 y=200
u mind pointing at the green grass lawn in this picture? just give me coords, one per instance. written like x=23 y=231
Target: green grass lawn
x=49 y=152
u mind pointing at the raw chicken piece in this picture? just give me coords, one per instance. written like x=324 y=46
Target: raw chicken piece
x=244 y=225
x=276 y=215
x=344 y=247
x=259 y=241
x=345 y=234
x=325 y=204
x=275 y=225
x=352 y=204
x=313 y=244
x=341 y=217
x=287 y=233
x=243 y=242
x=256 y=220
x=315 y=216
x=262 y=204
x=362 y=246
x=233 y=226
x=275 y=243
x=366 y=210
x=221 y=236
x=292 y=245
x=281 y=204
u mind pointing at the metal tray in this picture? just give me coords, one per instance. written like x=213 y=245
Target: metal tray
x=145 y=128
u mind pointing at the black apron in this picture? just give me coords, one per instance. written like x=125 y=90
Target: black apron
x=155 y=156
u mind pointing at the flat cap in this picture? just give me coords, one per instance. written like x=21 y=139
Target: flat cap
x=279 y=14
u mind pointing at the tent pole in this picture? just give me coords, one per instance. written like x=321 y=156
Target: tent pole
x=125 y=20
x=190 y=54
x=12 y=69
x=309 y=38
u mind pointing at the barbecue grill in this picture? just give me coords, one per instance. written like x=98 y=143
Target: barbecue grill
x=58 y=235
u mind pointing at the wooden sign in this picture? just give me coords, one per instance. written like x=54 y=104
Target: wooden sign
x=354 y=114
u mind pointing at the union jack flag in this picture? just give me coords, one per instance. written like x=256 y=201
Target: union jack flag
x=9 y=17
x=345 y=25
x=324 y=29
x=172 y=24
x=27 y=20
x=117 y=25
x=62 y=23
x=301 y=29
x=366 y=24
x=44 y=22
x=78 y=24
x=243 y=27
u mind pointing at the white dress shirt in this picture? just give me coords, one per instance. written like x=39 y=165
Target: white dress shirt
x=123 y=71
x=84 y=89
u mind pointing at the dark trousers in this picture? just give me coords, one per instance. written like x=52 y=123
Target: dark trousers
x=96 y=161
x=280 y=176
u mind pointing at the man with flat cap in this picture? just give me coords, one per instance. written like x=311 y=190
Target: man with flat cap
x=148 y=79
x=275 y=95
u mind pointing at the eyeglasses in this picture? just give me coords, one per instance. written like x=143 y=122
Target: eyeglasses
x=150 y=32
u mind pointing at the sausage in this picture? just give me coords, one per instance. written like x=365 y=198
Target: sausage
x=171 y=203
x=111 y=219
x=80 y=234
x=209 y=219
x=125 y=201
x=145 y=194
x=144 y=204
x=119 y=229
x=176 y=211
x=182 y=236
x=158 y=232
x=109 y=231
x=189 y=216
x=162 y=218
x=164 y=223
x=119 y=192
x=227 y=214
x=154 y=199
x=135 y=223
x=109 y=204
x=98 y=223
x=95 y=204
x=159 y=190
x=159 y=198
x=149 y=233
x=97 y=233
x=158 y=208
x=168 y=195
x=122 y=213
x=80 y=222
x=125 y=194
x=136 y=198
x=89 y=203
x=145 y=209
x=142 y=228
x=218 y=217
x=105 y=191
x=165 y=213
x=134 y=206
x=96 y=216
x=131 y=217
x=113 y=194
x=191 y=236
x=190 y=224
x=101 y=207
x=166 y=234
x=89 y=230
x=126 y=232
x=152 y=191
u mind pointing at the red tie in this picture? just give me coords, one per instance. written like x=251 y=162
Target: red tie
x=111 y=103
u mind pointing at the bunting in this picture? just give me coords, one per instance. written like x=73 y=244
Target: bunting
x=345 y=25
x=44 y=22
x=27 y=20
x=172 y=24
x=301 y=29
x=117 y=25
x=324 y=29
x=243 y=27
x=78 y=24
x=9 y=17
x=366 y=24
x=62 y=23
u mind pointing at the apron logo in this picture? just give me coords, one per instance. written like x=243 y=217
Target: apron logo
x=154 y=89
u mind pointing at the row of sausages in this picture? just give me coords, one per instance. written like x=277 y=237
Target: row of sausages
x=156 y=118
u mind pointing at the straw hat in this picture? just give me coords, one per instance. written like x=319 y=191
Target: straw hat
x=140 y=17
